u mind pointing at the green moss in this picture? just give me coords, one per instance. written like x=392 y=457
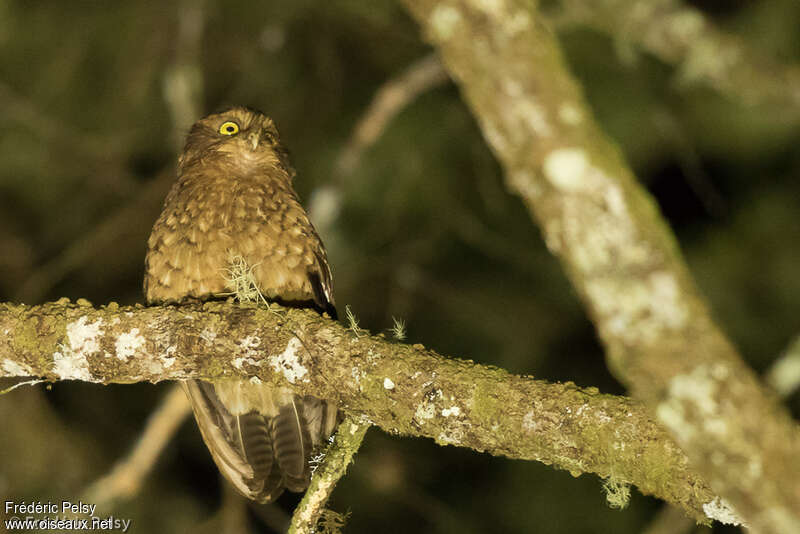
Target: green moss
x=485 y=403
x=30 y=338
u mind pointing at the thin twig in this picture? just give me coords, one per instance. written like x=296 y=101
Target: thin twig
x=125 y=479
x=390 y=99
x=233 y=512
x=183 y=77
x=338 y=456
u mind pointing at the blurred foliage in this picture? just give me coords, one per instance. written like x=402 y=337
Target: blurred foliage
x=426 y=233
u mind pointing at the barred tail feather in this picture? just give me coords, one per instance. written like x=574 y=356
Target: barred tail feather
x=292 y=443
x=260 y=437
x=241 y=445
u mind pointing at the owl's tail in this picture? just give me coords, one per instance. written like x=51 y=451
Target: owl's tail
x=260 y=437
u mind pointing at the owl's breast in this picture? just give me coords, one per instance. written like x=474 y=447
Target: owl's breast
x=206 y=229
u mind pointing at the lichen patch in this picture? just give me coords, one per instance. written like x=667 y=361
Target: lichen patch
x=721 y=510
x=12 y=368
x=70 y=361
x=239 y=362
x=529 y=423
x=288 y=363
x=640 y=309
x=609 y=238
x=69 y=365
x=424 y=412
x=521 y=115
x=452 y=437
x=693 y=397
x=356 y=373
x=568 y=169
x=533 y=116
x=128 y=343
x=451 y=411
x=427 y=408
x=208 y=335
x=83 y=336
x=249 y=345
x=167 y=360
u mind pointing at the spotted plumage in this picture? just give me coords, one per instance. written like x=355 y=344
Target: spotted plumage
x=234 y=200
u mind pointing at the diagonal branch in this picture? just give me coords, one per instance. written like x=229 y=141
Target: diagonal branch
x=620 y=256
x=704 y=54
x=390 y=99
x=402 y=389
x=126 y=478
x=338 y=457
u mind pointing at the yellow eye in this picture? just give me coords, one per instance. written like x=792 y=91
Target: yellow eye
x=229 y=128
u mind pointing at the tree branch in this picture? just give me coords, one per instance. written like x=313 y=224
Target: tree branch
x=389 y=100
x=704 y=54
x=402 y=389
x=333 y=466
x=620 y=256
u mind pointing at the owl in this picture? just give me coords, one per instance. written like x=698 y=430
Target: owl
x=234 y=199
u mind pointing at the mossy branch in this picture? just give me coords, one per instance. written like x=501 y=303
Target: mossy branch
x=620 y=255
x=403 y=389
x=331 y=468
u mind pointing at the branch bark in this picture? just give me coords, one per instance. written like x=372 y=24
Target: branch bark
x=400 y=388
x=620 y=256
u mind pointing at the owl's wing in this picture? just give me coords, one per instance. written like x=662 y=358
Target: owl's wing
x=322 y=283
x=321 y=415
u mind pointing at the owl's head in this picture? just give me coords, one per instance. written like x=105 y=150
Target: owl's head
x=240 y=137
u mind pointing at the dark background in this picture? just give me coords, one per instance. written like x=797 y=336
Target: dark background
x=426 y=232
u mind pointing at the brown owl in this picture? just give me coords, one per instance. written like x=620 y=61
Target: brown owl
x=234 y=199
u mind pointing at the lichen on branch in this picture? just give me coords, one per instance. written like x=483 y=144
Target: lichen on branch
x=403 y=389
x=619 y=254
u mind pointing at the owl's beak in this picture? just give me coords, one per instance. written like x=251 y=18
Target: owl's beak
x=254 y=138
